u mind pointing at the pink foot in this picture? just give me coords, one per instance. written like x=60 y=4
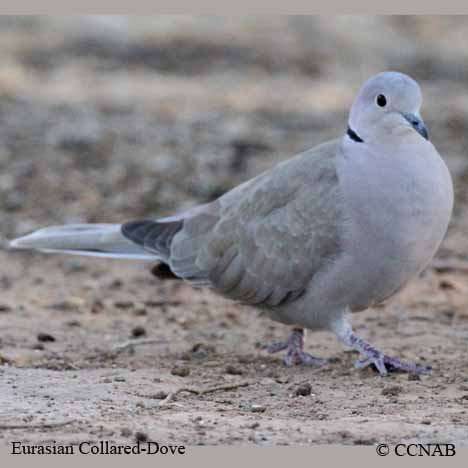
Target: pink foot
x=295 y=354
x=373 y=356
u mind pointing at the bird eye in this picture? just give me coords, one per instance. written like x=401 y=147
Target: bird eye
x=381 y=100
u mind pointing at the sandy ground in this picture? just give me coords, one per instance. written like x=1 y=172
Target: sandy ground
x=108 y=119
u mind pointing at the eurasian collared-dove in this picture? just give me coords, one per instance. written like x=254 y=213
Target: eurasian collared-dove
x=336 y=229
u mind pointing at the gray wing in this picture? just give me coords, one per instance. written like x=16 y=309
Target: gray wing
x=262 y=242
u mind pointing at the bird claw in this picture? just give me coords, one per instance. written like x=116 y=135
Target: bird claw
x=374 y=357
x=300 y=357
x=377 y=363
x=295 y=354
x=384 y=364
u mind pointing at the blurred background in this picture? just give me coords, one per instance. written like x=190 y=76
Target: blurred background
x=109 y=119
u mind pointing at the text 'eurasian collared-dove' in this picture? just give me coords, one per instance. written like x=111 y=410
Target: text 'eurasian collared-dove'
x=336 y=229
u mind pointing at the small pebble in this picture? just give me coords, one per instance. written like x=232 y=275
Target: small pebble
x=140 y=312
x=364 y=441
x=446 y=284
x=393 y=390
x=97 y=307
x=138 y=331
x=304 y=389
x=180 y=371
x=161 y=395
x=245 y=359
x=141 y=436
x=116 y=284
x=202 y=350
x=70 y=304
x=45 y=337
x=232 y=370
x=123 y=304
x=414 y=377
x=73 y=323
x=257 y=408
x=126 y=432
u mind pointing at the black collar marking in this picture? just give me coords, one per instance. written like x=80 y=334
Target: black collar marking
x=354 y=136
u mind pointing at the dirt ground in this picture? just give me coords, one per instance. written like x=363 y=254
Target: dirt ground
x=109 y=119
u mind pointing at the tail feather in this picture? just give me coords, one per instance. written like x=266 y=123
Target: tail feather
x=96 y=240
x=154 y=236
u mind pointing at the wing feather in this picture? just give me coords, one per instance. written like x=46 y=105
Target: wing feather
x=262 y=242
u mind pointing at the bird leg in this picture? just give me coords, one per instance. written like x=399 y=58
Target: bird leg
x=373 y=356
x=295 y=350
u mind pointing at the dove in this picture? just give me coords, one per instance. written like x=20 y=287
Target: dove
x=332 y=231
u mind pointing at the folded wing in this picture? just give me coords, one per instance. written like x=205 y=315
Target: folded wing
x=262 y=242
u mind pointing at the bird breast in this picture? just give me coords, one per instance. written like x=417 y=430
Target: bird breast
x=398 y=207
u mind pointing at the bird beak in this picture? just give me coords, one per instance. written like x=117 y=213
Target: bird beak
x=418 y=124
